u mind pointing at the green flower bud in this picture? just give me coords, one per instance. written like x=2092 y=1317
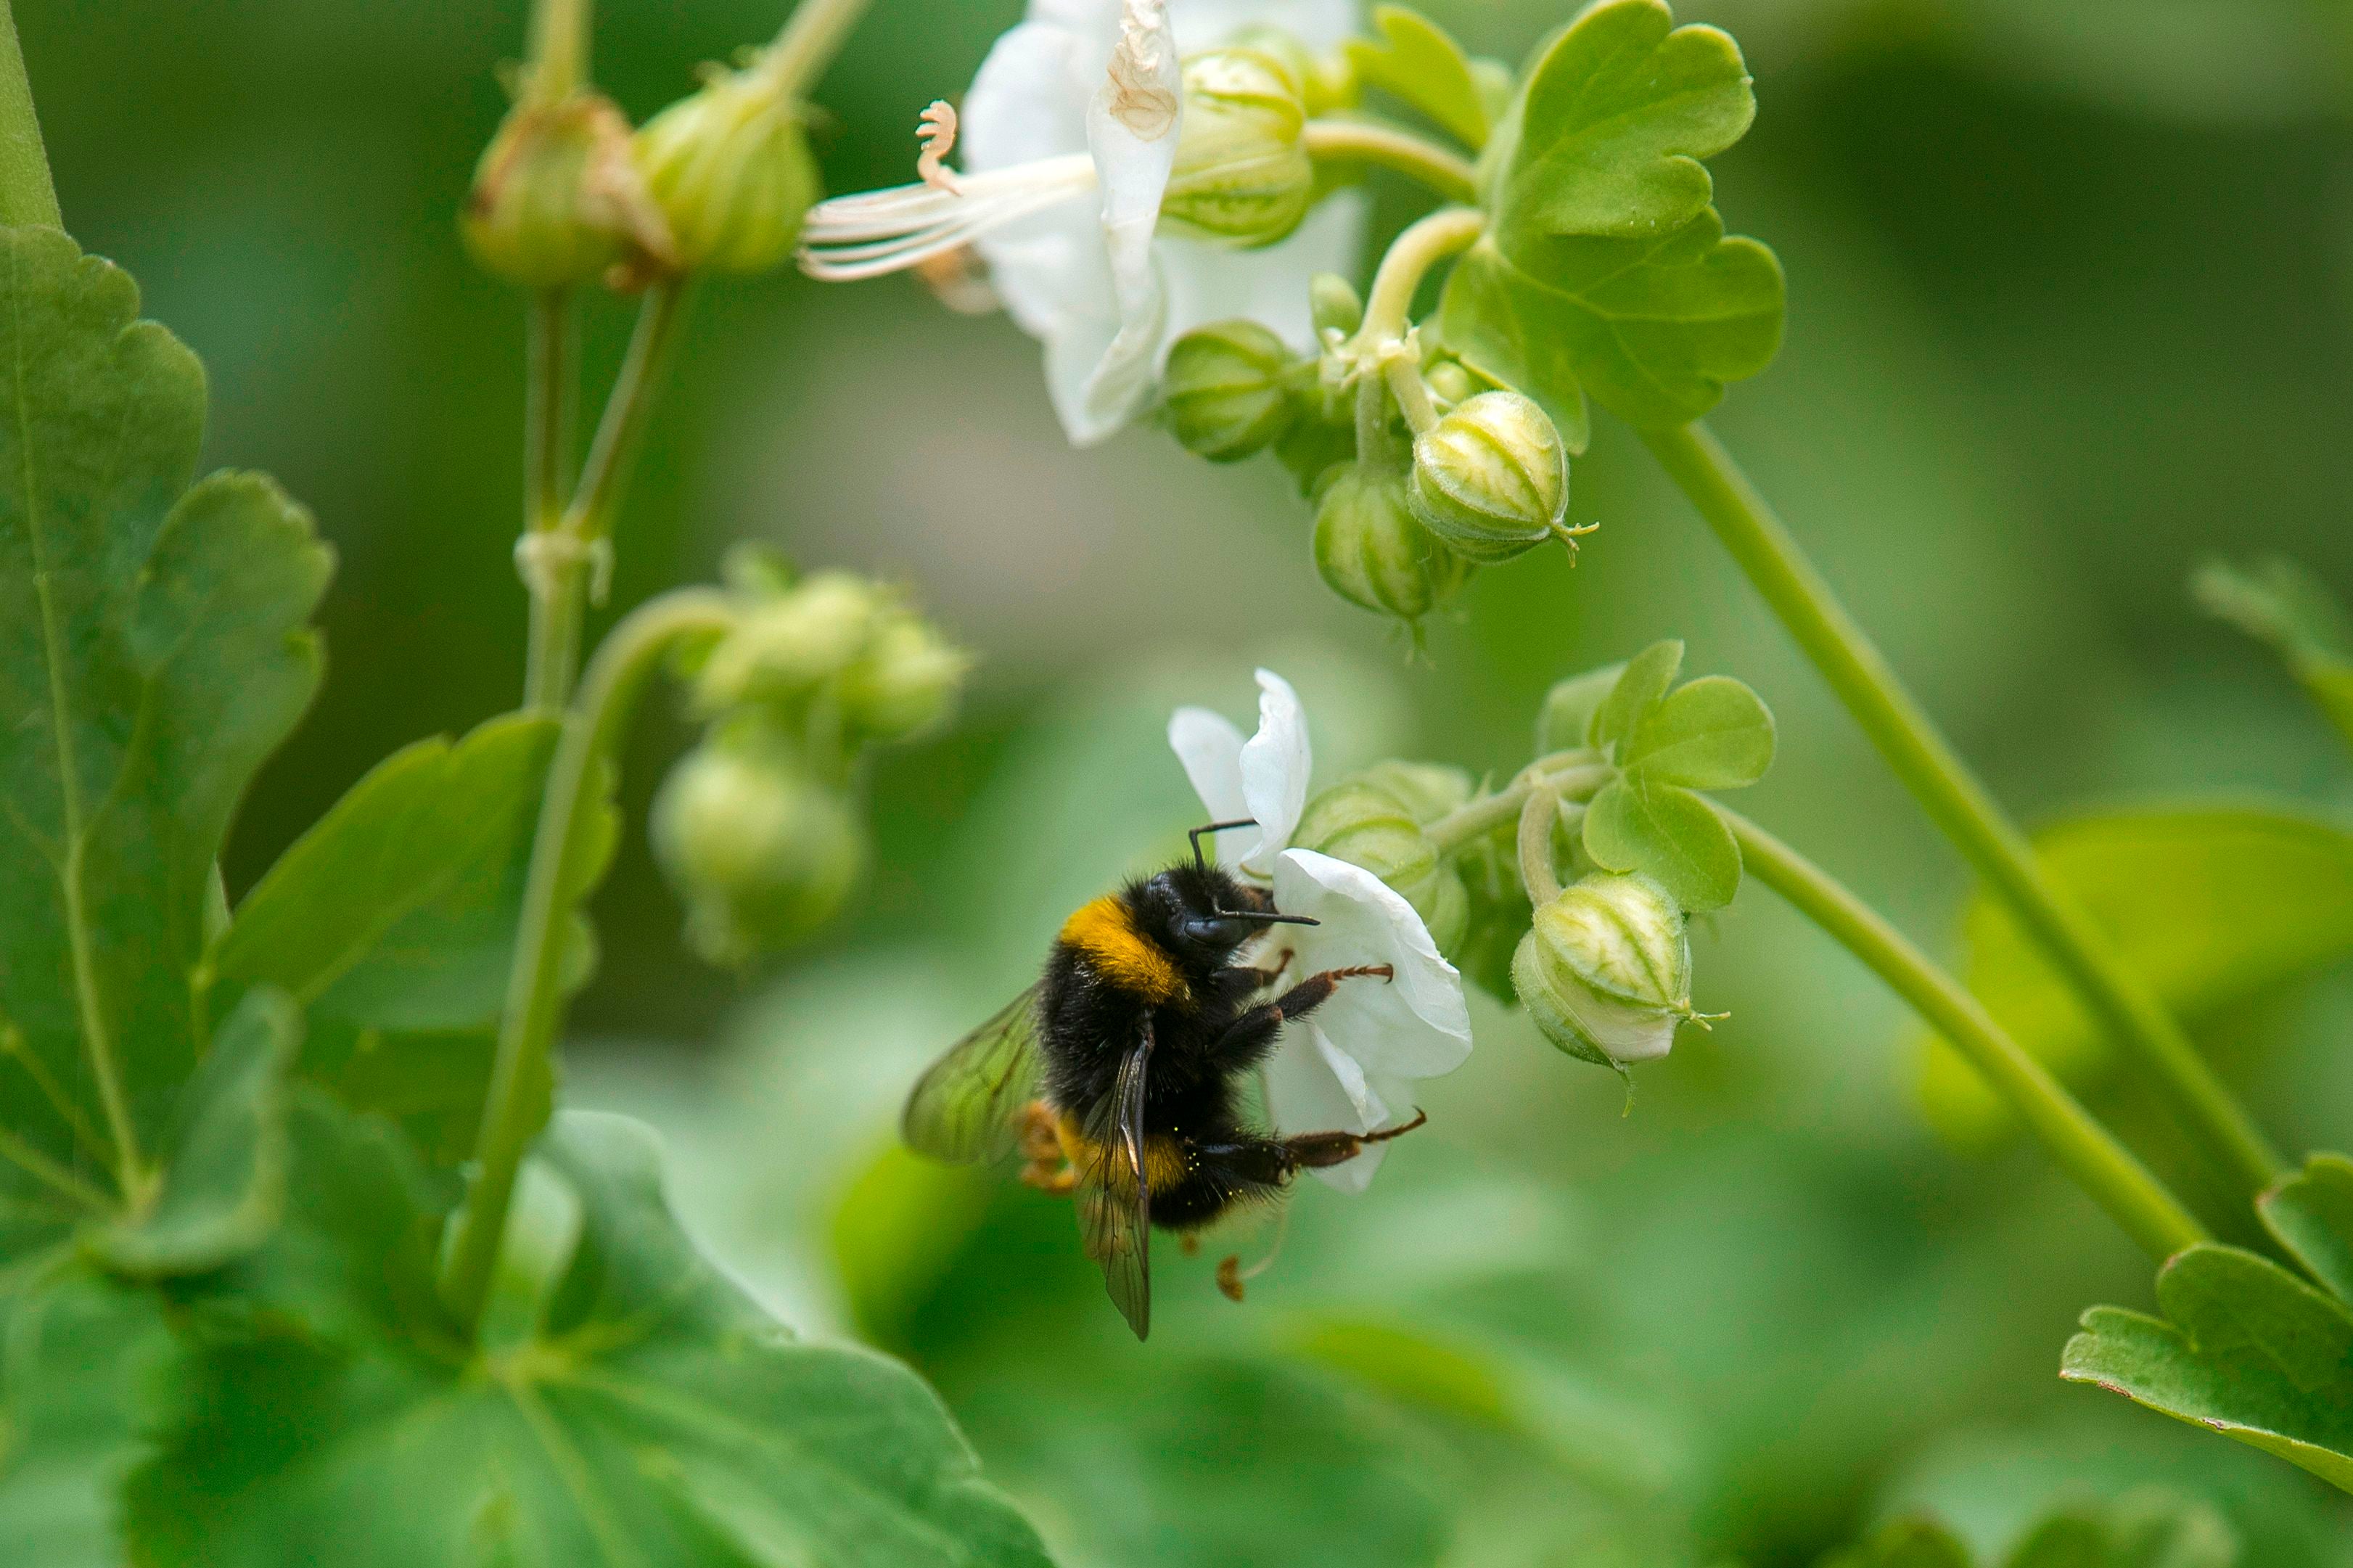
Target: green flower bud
x=1605 y=970
x=1450 y=383
x=906 y=681
x=1334 y=304
x=1226 y=390
x=1491 y=478
x=1428 y=790
x=782 y=651
x=1365 y=823
x=760 y=853
x=556 y=199
x=1372 y=552
x=1324 y=85
x=731 y=167
x=1242 y=174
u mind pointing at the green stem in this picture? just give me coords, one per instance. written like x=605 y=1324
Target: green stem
x=516 y=1106
x=562 y=561
x=557 y=51
x=2103 y=1167
x=1360 y=142
x=1420 y=247
x=547 y=417
x=49 y=1174
x=810 y=38
x=1537 y=813
x=1569 y=774
x=1959 y=804
x=27 y=195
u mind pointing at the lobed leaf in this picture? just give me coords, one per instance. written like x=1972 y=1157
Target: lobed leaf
x=1617 y=114
x=2311 y=1213
x=2209 y=905
x=654 y=1416
x=1652 y=328
x=153 y=652
x=2244 y=1348
x=1418 y=63
x=1669 y=833
x=1710 y=733
x=1641 y=687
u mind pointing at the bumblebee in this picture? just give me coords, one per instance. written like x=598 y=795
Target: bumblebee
x=1117 y=1075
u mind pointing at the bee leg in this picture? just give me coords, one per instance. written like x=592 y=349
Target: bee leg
x=1315 y=1151
x=1041 y=1147
x=1250 y=1036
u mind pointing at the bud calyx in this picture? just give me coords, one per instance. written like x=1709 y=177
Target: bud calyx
x=1242 y=174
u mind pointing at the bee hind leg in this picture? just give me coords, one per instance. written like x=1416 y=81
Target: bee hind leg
x=1045 y=1169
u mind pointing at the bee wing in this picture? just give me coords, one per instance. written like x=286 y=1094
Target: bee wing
x=1114 y=1199
x=962 y=1110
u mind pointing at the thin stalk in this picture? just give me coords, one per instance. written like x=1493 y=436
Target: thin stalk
x=1537 y=813
x=1959 y=805
x=547 y=420
x=515 y=1107
x=2084 y=1149
x=1570 y=778
x=811 y=38
x=49 y=1174
x=1421 y=246
x=561 y=562
x=27 y=195
x=1359 y=142
x=557 y=50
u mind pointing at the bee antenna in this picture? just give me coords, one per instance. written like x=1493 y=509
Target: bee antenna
x=1199 y=864
x=1267 y=918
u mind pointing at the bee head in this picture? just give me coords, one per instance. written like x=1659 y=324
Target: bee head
x=1204 y=915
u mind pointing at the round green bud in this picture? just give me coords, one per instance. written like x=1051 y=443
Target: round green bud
x=1365 y=822
x=783 y=649
x=1241 y=176
x=1450 y=383
x=1429 y=790
x=731 y=169
x=556 y=199
x=1605 y=970
x=905 y=681
x=1226 y=390
x=1372 y=552
x=760 y=853
x=1324 y=85
x=1491 y=478
x=1334 y=304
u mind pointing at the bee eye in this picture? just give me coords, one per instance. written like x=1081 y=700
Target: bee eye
x=1212 y=931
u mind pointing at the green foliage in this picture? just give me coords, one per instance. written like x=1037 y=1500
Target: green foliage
x=2281 y=604
x=2244 y=1347
x=1605 y=269
x=2146 y=1529
x=648 y=1412
x=1418 y=63
x=2211 y=905
x=151 y=638
x=1709 y=733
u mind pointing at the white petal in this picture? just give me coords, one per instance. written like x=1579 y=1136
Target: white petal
x=1415 y=1025
x=1218 y=283
x=1275 y=764
x=1312 y=1086
x=1030 y=99
x=1210 y=748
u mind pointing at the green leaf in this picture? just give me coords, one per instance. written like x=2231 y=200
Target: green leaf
x=1905 y=1543
x=79 y=1352
x=2147 y=1529
x=1652 y=328
x=1417 y=63
x=153 y=652
x=2311 y=1213
x=396 y=909
x=1567 y=721
x=1712 y=734
x=225 y=1163
x=2209 y=905
x=1639 y=688
x=655 y=1416
x=2279 y=603
x=2244 y=1348
x=1669 y=833
x=1617 y=115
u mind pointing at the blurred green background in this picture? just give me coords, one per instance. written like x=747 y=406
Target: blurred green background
x=2072 y=306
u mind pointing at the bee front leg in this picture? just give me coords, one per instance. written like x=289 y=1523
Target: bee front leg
x=1250 y=1036
x=1316 y=1151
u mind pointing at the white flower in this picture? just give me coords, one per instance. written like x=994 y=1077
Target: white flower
x=1348 y=1066
x=1070 y=131
x=1263 y=778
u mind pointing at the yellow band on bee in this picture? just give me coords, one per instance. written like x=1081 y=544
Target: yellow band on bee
x=1164 y=1164
x=1102 y=932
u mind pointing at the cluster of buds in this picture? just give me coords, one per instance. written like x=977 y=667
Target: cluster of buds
x=756 y=828
x=565 y=194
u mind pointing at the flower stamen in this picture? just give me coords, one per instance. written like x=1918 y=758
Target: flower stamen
x=937 y=132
